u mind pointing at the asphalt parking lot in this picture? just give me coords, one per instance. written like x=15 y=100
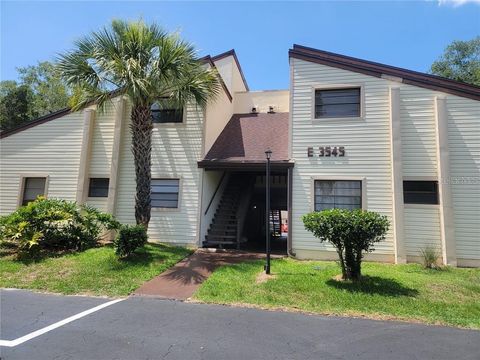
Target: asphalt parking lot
x=72 y=327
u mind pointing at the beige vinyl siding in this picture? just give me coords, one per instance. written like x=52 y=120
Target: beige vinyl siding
x=98 y=202
x=52 y=148
x=102 y=141
x=176 y=148
x=464 y=146
x=418 y=124
x=366 y=142
x=419 y=160
x=422 y=229
x=101 y=150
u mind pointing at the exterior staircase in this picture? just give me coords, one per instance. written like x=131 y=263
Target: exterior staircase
x=275 y=222
x=224 y=228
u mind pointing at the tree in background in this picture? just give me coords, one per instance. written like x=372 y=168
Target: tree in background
x=50 y=92
x=460 y=61
x=40 y=91
x=148 y=66
x=15 y=105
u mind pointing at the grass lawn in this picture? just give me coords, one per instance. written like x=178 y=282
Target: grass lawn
x=406 y=292
x=93 y=272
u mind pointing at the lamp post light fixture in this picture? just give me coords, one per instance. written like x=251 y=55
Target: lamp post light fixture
x=268 y=154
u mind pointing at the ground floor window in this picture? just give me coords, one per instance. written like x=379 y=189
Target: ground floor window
x=165 y=193
x=338 y=194
x=32 y=188
x=420 y=192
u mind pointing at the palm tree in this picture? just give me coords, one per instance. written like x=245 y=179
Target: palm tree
x=147 y=65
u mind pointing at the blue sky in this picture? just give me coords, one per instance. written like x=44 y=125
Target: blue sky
x=406 y=34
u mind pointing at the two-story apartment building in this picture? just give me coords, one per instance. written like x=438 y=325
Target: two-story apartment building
x=348 y=133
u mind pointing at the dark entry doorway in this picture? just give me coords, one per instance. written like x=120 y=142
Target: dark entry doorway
x=253 y=229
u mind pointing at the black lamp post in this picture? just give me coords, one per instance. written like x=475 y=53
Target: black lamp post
x=268 y=154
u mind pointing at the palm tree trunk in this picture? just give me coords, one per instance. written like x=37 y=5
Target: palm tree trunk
x=141 y=128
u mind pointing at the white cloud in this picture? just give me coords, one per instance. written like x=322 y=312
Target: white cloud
x=456 y=3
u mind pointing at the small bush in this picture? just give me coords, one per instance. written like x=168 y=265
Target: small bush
x=352 y=232
x=53 y=224
x=129 y=239
x=430 y=257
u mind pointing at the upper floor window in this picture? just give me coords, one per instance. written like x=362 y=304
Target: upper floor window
x=163 y=112
x=420 y=192
x=338 y=194
x=337 y=103
x=33 y=187
x=165 y=193
x=98 y=187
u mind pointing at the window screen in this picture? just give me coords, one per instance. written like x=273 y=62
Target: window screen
x=163 y=113
x=33 y=187
x=165 y=193
x=98 y=187
x=334 y=103
x=339 y=194
x=420 y=192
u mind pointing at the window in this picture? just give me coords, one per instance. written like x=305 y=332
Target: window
x=33 y=187
x=165 y=193
x=337 y=103
x=98 y=187
x=339 y=194
x=163 y=113
x=420 y=192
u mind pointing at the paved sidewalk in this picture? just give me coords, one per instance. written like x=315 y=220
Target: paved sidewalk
x=182 y=280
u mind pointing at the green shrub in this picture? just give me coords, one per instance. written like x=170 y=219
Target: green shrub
x=53 y=224
x=129 y=239
x=352 y=232
x=430 y=257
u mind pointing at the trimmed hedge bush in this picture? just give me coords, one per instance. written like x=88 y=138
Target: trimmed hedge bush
x=54 y=225
x=352 y=232
x=129 y=239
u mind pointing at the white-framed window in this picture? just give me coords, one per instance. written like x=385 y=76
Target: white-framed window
x=165 y=193
x=32 y=188
x=338 y=102
x=337 y=194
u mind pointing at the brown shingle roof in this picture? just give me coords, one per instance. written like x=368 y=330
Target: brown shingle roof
x=246 y=137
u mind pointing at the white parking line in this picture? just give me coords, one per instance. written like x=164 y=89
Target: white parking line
x=20 y=340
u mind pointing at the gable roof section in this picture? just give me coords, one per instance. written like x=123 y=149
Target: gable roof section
x=232 y=53
x=59 y=113
x=246 y=137
x=208 y=59
x=35 y=122
x=371 y=68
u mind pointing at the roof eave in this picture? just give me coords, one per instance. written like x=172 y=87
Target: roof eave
x=208 y=60
x=234 y=54
x=241 y=164
x=382 y=71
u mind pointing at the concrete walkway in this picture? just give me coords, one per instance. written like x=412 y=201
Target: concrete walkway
x=182 y=280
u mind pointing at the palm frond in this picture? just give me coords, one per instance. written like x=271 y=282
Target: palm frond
x=143 y=60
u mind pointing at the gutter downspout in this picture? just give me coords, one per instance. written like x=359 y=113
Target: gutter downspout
x=289 y=208
x=290 y=169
